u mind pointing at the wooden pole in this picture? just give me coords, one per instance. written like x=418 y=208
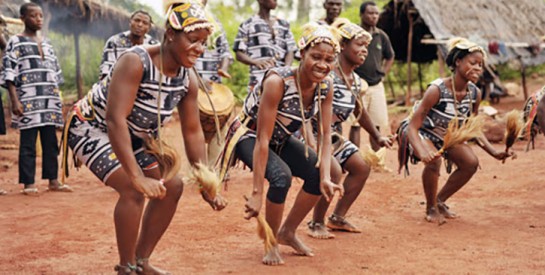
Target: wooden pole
x=420 y=80
x=523 y=74
x=79 y=79
x=409 y=54
x=441 y=62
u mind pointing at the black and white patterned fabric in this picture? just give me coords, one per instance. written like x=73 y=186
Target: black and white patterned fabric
x=288 y=118
x=36 y=80
x=88 y=134
x=257 y=40
x=117 y=45
x=210 y=61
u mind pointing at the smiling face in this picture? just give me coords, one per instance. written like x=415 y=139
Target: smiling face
x=318 y=61
x=355 y=50
x=140 y=24
x=33 y=18
x=471 y=66
x=188 y=47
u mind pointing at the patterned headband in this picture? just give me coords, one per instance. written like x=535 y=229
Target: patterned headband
x=464 y=44
x=314 y=34
x=350 y=30
x=188 y=16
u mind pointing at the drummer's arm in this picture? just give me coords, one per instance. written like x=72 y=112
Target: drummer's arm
x=188 y=111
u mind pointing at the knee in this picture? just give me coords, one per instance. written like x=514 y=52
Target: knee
x=279 y=184
x=132 y=196
x=433 y=167
x=175 y=188
x=470 y=165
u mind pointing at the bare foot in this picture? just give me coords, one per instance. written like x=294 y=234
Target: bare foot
x=272 y=257
x=337 y=222
x=318 y=230
x=445 y=211
x=289 y=238
x=56 y=186
x=147 y=269
x=433 y=216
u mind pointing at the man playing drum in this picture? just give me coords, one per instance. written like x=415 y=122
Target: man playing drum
x=212 y=66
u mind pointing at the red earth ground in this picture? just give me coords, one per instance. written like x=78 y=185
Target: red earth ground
x=500 y=230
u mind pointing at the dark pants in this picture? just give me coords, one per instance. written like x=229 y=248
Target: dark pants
x=284 y=162
x=27 y=154
x=2 y=118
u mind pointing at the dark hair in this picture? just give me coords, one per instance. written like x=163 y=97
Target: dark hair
x=364 y=5
x=454 y=55
x=26 y=6
x=144 y=13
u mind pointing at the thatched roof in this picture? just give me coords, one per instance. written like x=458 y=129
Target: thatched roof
x=481 y=21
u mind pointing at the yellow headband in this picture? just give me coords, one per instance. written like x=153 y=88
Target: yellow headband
x=314 y=34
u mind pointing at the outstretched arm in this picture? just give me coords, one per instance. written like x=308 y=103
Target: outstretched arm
x=367 y=124
x=273 y=87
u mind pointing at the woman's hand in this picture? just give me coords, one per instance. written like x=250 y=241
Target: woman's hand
x=429 y=156
x=150 y=187
x=502 y=155
x=253 y=205
x=217 y=203
x=386 y=141
x=329 y=188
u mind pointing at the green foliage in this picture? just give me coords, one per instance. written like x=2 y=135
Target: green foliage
x=90 y=57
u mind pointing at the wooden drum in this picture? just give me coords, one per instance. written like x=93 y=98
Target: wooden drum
x=223 y=101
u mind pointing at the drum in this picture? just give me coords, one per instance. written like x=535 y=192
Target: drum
x=223 y=101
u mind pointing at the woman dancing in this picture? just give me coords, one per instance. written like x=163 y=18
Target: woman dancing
x=421 y=135
x=280 y=104
x=111 y=124
x=346 y=86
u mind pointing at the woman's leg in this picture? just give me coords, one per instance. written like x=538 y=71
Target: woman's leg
x=293 y=153
x=358 y=172
x=127 y=216
x=157 y=218
x=467 y=163
x=279 y=176
x=430 y=177
x=317 y=228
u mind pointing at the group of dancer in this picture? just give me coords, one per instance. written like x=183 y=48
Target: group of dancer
x=109 y=128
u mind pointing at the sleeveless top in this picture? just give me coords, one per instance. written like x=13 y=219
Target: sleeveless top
x=288 y=118
x=143 y=117
x=436 y=122
x=344 y=101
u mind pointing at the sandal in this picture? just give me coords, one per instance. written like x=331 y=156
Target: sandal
x=60 y=188
x=32 y=191
x=315 y=227
x=127 y=269
x=336 y=222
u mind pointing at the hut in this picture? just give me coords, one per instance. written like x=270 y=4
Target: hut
x=417 y=27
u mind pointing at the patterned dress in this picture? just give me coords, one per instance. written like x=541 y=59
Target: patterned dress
x=344 y=104
x=258 y=41
x=288 y=118
x=210 y=61
x=88 y=133
x=36 y=80
x=115 y=46
x=531 y=128
x=436 y=122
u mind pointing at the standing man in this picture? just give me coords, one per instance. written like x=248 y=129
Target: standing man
x=137 y=35
x=32 y=75
x=333 y=9
x=377 y=64
x=263 y=42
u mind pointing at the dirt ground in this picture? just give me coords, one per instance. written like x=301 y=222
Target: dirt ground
x=501 y=229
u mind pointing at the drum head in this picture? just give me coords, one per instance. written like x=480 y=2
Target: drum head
x=222 y=98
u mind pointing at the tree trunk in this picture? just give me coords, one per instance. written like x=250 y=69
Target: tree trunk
x=303 y=8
